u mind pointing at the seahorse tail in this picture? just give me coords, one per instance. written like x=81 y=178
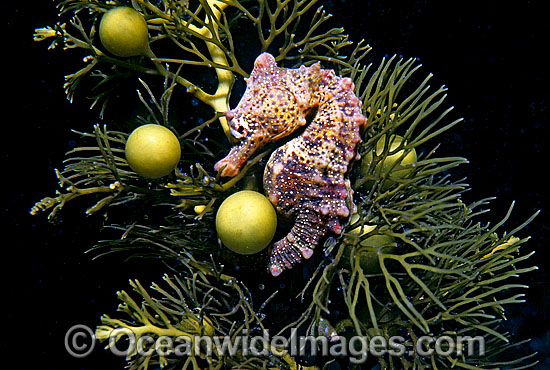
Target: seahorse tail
x=298 y=243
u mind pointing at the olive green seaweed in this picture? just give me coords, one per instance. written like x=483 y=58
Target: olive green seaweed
x=446 y=274
x=189 y=30
x=203 y=304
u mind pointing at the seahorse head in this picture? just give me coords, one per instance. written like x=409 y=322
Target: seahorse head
x=274 y=104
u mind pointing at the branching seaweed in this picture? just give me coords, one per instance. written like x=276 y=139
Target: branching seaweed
x=193 y=26
x=105 y=171
x=99 y=167
x=446 y=274
x=197 y=316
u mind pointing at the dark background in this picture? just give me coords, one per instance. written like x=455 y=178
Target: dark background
x=491 y=56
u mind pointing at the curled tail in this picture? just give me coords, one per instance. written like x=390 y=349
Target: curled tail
x=299 y=243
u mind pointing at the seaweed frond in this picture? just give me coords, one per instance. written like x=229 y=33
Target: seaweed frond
x=438 y=271
x=198 y=319
x=90 y=170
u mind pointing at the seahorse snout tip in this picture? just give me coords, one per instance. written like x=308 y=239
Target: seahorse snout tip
x=228 y=168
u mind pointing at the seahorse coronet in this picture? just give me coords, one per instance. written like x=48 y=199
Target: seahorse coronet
x=305 y=179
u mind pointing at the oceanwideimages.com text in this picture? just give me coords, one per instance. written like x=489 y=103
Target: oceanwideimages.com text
x=80 y=341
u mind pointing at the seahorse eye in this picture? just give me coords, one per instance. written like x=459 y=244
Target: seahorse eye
x=235 y=132
x=238 y=128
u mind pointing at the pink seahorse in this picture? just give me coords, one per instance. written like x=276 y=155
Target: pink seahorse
x=305 y=178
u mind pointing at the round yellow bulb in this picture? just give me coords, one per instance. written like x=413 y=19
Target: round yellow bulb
x=246 y=222
x=368 y=248
x=152 y=151
x=123 y=32
x=388 y=164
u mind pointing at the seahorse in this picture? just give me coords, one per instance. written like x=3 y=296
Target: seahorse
x=305 y=178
